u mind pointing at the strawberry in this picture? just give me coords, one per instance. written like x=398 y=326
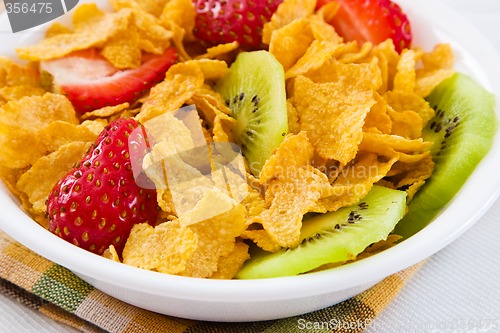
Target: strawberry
x=224 y=21
x=371 y=21
x=90 y=82
x=97 y=203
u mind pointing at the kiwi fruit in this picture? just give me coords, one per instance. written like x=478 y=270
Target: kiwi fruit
x=333 y=237
x=462 y=131
x=254 y=90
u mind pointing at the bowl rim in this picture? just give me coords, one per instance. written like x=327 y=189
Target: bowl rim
x=477 y=56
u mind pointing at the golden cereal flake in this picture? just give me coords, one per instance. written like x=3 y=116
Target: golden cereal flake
x=294 y=151
x=229 y=265
x=39 y=180
x=166 y=248
x=333 y=115
x=287 y=12
x=216 y=238
x=290 y=198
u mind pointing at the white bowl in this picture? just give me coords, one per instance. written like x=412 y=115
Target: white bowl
x=250 y=300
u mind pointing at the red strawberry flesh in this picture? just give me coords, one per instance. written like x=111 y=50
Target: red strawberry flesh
x=225 y=21
x=97 y=203
x=90 y=82
x=371 y=21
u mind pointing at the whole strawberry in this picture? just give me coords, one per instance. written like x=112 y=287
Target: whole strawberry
x=225 y=21
x=97 y=203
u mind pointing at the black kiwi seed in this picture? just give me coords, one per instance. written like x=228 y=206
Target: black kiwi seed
x=449 y=125
x=310 y=239
x=354 y=217
x=255 y=100
x=242 y=95
x=363 y=205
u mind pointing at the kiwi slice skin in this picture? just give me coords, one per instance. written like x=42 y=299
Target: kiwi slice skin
x=333 y=237
x=254 y=89
x=462 y=131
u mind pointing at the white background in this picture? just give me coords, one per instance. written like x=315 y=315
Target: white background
x=457 y=290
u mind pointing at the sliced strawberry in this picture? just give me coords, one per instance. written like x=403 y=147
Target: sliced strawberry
x=97 y=203
x=371 y=21
x=224 y=21
x=91 y=82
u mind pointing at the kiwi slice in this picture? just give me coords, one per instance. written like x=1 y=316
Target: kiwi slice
x=254 y=89
x=333 y=237
x=462 y=132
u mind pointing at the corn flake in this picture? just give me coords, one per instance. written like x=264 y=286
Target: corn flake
x=436 y=67
x=287 y=12
x=59 y=133
x=20 y=143
x=407 y=124
x=405 y=77
x=320 y=29
x=181 y=82
x=57 y=28
x=262 y=239
x=293 y=118
x=123 y=50
x=291 y=42
x=316 y=55
x=17 y=92
x=212 y=69
x=220 y=50
x=392 y=146
x=216 y=239
x=182 y=14
x=223 y=128
x=295 y=151
x=254 y=203
x=92 y=29
x=333 y=115
x=229 y=265
x=39 y=180
x=388 y=58
x=401 y=101
x=378 y=119
x=166 y=248
x=353 y=183
x=105 y=112
x=290 y=198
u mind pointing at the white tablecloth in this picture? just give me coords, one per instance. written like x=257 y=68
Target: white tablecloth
x=457 y=290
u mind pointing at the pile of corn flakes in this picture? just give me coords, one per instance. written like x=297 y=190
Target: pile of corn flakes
x=355 y=112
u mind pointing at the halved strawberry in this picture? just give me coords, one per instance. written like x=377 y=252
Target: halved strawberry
x=371 y=21
x=97 y=203
x=90 y=82
x=224 y=21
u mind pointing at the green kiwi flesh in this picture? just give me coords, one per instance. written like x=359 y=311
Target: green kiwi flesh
x=254 y=89
x=462 y=131
x=333 y=237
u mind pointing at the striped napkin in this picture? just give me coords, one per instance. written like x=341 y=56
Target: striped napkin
x=58 y=293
